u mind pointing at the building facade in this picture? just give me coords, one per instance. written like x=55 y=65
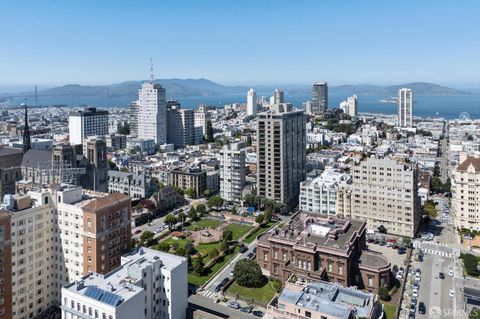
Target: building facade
x=281 y=153
x=152 y=122
x=251 y=103
x=349 y=106
x=134 y=185
x=133 y=118
x=319 y=102
x=232 y=172
x=322 y=247
x=180 y=127
x=319 y=195
x=465 y=193
x=384 y=193
x=185 y=178
x=10 y=169
x=405 y=108
x=149 y=284
x=87 y=123
x=5 y=265
x=202 y=117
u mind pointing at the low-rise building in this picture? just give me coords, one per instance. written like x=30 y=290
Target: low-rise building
x=185 y=178
x=319 y=300
x=133 y=185
x=323 y=247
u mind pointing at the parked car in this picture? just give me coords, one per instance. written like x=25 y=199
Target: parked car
x=401 y=251
x=233 y=304
x=413 y=301
x=399 y=275
x=450 y=272
x=421 y=308
x=441 y=275
x=413 y=309
x=395 y=268
x=138 y=231
x=246 y=309
x=258 y=313
x=415 y=294
x=243 y=249
x=218 y=288
x=250 y=255
x=417 y=277
x=224 y=281
x=255 y=250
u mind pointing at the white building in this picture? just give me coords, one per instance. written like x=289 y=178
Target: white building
x=232 y=172
x=349 y=106
x=149 y=284
x=152 y=122
x=87 y=123
x=319 y=195
x=251 y=103
x=405 y=108
x=180 y=127
x=202 y=116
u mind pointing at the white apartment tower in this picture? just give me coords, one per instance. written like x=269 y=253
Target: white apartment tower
x=148 y=285
x=281 y=153
x=201 y=118
x=86 y=123
x=251 y=103
x=349 y=106
x=152 y=113
x=277 y=96
x=232 y=172
x=319 y=195
x=466 y=193
x=405 y=107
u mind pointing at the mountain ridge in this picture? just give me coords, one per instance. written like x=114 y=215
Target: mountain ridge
x=176 y=87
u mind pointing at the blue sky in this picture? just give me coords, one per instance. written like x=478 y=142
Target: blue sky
x=240 y=42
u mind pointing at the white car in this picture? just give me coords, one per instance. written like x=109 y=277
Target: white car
x=417 y=277
x=451 y=293
x=399 y=274
x=450 y=272
x=415 y=294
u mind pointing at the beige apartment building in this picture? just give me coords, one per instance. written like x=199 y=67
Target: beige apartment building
x=466 y=194
x=51 y=237
x=384 y=193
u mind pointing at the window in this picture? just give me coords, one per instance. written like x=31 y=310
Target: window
x=308 y=314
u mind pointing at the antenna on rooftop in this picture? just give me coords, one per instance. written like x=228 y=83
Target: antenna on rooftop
x=151 y=69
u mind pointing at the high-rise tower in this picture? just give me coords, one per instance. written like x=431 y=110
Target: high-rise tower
x=251 y=103
x=405 y=107
x=319 y=97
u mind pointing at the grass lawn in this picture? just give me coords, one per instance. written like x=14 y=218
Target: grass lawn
x=238 y=230
x=261 y=295
x=205 y=223
x=390 y=310
x=258 y=232
x=181 y=242
x=195 y=279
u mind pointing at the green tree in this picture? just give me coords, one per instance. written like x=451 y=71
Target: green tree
x=383 y=294
x=214 y=253
x=429 y=209
x=259 y=219
x=192 y=213
x=198 y=265
x=170 y=220
x=277 y=285
x=190 y=192
x=201 y=209
x=225 y=247
x=209 y=132
x=227 y=235
x=474 y=313
x=112 y=166
x=189 y=249
x=382 y=229
x=267 y=216
x=163 y=246
x=207 y=193
x=215 y=201
x=146 y=237
x=181 y=217
x=123 y=129
x=247 y=273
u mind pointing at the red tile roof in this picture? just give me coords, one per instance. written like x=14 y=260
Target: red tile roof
x=105 y=201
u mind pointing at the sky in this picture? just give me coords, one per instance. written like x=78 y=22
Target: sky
x=244 y=42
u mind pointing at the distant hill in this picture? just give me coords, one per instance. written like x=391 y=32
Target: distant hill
x=177 y=88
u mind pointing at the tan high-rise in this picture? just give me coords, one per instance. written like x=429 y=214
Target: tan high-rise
x=384 y=193
x=466 y=194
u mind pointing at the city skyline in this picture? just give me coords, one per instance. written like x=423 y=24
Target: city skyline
x=356 y=43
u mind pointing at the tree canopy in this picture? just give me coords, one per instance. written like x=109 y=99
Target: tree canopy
x=247 y=273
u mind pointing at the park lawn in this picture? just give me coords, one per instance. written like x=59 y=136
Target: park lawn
x=181 y=242
x=261 y=295
x=195 y=279
x=205 y=249
x=205 y=223
x=390 y=310
x=238 y=230
x=258 y=232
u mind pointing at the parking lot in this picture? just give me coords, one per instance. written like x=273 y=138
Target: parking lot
x=390 y=253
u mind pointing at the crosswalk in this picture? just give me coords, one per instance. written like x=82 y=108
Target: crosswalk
x=436 y=252
x=208 y=293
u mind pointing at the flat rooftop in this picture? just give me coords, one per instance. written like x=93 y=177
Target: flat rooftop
x=330 y=299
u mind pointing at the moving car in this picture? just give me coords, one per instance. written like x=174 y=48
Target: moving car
x=451 y=293
x=450 y=272
x=441 y=275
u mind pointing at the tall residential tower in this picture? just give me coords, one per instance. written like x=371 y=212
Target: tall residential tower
x=152 y=113
x=251 y=103
x=281 y=153
x=319 y=97
x=405 y=107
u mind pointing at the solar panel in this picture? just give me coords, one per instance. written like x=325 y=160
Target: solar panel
x=103 y=296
